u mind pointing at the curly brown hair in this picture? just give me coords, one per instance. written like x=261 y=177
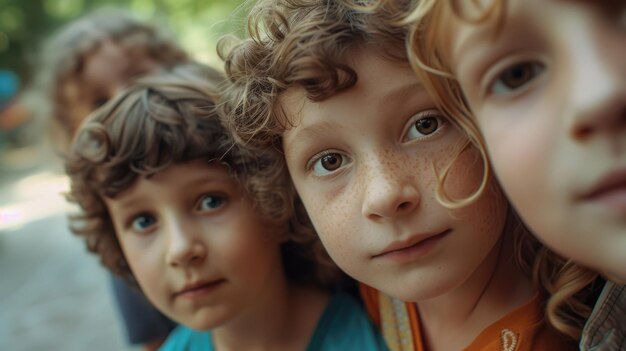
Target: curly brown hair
x=166 y=118
x=294 y=43
x=63 y=56
x=304 y=43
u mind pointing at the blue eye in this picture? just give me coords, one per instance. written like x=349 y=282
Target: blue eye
x=515 y=77
x=329 y=162
x=423 y=125
x=142 y=223
x=211 y=202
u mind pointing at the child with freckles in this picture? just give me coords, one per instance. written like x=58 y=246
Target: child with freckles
x=401 y=194
x=211 y=233
x=545 y=84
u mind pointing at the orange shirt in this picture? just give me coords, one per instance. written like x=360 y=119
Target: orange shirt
x=521 y=330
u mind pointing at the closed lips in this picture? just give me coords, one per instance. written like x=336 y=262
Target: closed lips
x=189 y=288
x=405 y=244
x=614 y=181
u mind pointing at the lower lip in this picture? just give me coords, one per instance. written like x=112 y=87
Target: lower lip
x=615 y=198
x=417 y=251
x=201 y=291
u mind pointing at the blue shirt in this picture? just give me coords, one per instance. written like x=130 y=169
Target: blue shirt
x=344 y=326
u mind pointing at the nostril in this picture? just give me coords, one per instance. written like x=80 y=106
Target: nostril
x=404 y=205
x=582 y=133
x=611 y=122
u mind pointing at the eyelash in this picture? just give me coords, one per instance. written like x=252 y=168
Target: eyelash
x=310 y=166
x=440 y=117
x=493 y=89
x=345 y=160
x=131 y=223
x=223 y=200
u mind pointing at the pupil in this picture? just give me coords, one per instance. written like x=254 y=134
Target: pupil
x=144 y=221
x=426 y=125
x=212 y=202
x=517 y=76
x=331 y=162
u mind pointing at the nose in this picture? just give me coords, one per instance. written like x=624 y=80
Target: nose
x=601 y=111
x=390 y=191
x=598 y=103
x=184 y=246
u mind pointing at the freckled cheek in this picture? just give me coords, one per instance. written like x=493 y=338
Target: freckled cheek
x=331 y=217
x=465 y=175
x=332 y=214
x=487 y=216
x=491 y=211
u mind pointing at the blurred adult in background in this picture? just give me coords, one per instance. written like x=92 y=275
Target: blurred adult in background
x=81 y=67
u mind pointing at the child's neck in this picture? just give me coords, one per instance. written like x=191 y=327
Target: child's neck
x=454 y=320
x=283 y=319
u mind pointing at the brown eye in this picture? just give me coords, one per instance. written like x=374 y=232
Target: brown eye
x=329 y=163
x=426 y=125
x=516 y=77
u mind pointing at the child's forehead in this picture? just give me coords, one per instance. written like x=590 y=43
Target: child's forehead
x=379 y=80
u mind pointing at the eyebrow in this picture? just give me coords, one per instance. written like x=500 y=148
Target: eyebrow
x=125 y=204
x=403 y=92
x=313 y=132
x=132 y=200
x=471 y=43
x=200 y=180
x=475 y=53
x=321 y=129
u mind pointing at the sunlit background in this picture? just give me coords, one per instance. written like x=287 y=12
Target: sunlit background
x=53 y=294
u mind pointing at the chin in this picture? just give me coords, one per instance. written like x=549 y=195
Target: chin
x=200 y=320
x=203 y=324
x=419 y=292
x=616 y=275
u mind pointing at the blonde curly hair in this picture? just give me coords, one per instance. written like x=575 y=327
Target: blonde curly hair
x=170 y=117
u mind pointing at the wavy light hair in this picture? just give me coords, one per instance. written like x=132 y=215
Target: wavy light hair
x=170 y=117
x=572 y=288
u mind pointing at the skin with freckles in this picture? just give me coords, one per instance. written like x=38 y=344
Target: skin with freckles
x=365 y=163
x=548 y=90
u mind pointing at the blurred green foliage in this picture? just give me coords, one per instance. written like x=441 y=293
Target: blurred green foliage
x=26 y=24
